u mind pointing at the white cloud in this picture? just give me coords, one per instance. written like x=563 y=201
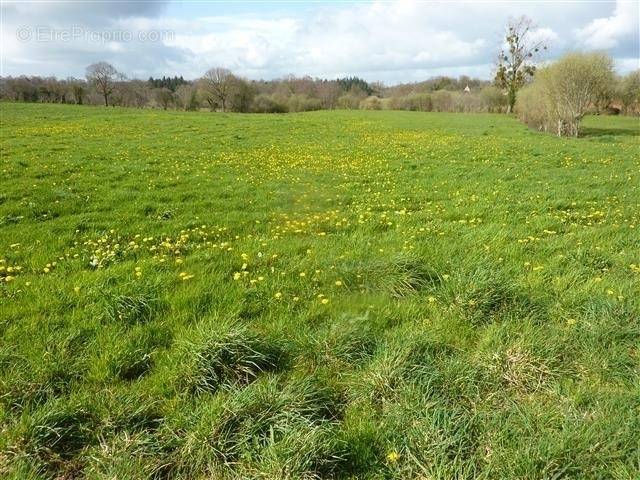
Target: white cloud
x=608 y=32
x=389 y=41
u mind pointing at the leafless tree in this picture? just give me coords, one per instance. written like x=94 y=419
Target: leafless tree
x=103 y=76
x=328 y=93
x=186 y=97
x=217 y=84
x=164 y=97
x=78 y=89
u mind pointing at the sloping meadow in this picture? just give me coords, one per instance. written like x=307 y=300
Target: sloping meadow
x=321 y=295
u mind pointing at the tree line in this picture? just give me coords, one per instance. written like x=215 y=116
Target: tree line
x=221 y=90
x=553 y=98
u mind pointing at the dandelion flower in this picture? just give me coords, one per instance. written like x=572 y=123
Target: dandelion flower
x=393 y=456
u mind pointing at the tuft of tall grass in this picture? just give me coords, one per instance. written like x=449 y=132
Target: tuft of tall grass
x=226 y=356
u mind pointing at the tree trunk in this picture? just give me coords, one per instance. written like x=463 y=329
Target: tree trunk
x=511 y=97
x=106 y=100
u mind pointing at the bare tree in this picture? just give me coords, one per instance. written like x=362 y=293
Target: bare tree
x=328 y=93
x=164 y=97
x=217 y=84
x=515 y=64
x=103 y=76
x=186 y=97
x=78 y=89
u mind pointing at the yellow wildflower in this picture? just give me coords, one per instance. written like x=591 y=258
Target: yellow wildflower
x=393 y=456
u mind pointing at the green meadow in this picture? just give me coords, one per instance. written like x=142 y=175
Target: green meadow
x=334 y=294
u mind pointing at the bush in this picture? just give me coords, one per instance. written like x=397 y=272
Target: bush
x=531 y=108
x=566 y=91
x=442 y=101
x=628 y=92
x=267 y=104
x=493 y=100
x=416 y=102
x=349 y=102
x=466 y=102
x=419 y=102
x=371 y=103
x=303 y=103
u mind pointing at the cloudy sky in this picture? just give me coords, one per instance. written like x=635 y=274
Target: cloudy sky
x=393 y=42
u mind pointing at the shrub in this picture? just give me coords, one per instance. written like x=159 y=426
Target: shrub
x=531 y=108
x=267 y=104
x=371 y=103
x=442 y=101
x=419 y=102
x=493 y=100
x=567 y=90
x=349 y=102
x=466 y=102
x=628 y=91
x=303 y=103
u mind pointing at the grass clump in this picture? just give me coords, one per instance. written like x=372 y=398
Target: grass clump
x=134 y=355
x=398 y=277
x=55 y=435
x=227 y=356
x=486 y=295
x=270 y=429
x=128 y=305
x=350 y=341
x=27 y=381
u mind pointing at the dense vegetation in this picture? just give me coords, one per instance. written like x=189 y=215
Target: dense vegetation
x=319 y=295
x=289 y=94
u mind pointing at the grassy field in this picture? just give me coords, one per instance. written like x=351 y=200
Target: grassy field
x=375 y=295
